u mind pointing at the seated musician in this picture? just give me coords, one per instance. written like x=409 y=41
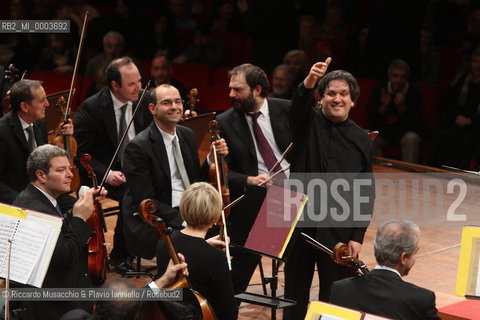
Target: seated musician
x=119 y=309
x=159 y=164
x=22 y=130
x=200 y=207
x=50 y=176
x=382 y=291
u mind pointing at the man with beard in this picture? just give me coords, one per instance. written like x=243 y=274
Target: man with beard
x=257 y=132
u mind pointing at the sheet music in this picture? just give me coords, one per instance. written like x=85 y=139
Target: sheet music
x=34 y=236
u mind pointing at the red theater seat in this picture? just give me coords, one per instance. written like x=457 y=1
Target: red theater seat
x=192 y=75
x=213 y=98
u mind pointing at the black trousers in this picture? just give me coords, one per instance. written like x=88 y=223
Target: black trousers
x=299 y=270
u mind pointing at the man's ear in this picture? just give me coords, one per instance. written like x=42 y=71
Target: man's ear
x=41 y=176
x=24 y=106
x=403 y=258
x=151 y=107
x=114 y=85
x=257 y=91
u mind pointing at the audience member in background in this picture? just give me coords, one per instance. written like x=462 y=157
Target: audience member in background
x=181 y=11
x=332 y=34
x=160 y=38
x=396 y=248
x=113 y=47
x=269 y=23
x=298 y=63
x=308 y=39
x=161 y=72
x=224 y=17
x=58 y=55
x=430 y=58
x=204 y=50
x=282 y=83
x=75 y=11
x=457 y=140
x=395 y=111
x=356 y=51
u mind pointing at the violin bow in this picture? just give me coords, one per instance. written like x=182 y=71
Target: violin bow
x=124 y=135
x=71 y=92
x=284 y=154
x=224 y=221
x=234 y=202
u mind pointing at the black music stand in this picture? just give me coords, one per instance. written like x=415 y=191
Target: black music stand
x=268 y=236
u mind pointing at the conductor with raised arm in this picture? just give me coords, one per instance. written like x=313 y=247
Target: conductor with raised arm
x=325 y=141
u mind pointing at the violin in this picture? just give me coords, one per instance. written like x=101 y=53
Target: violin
x=339 y=255
x=147 y=208
x=67 y=142
x=97 y=252
x=192 y=101
x=12 y=75
x=218 y=171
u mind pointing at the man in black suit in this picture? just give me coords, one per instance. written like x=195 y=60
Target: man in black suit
x=239 y=126
x=21 y=130
x=50 y=177
x=327 y=147
x=382 y=291
x=100 y=123
x=160 y=163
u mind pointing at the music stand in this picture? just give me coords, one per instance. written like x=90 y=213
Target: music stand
x=199 y=125
x=269 y=236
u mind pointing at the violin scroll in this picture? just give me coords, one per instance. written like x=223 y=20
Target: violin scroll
x=341 y=256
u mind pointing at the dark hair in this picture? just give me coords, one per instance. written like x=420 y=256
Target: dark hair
x=117 y=309
x=340 y=75
x=399 y=64
x=113 y=70
x=21 y=91
x=253 y=75
x=40 y=158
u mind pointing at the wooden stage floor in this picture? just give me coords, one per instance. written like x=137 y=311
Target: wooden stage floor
x=436 y=265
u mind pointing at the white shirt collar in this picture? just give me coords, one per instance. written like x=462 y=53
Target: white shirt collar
x=24 y=124
x=117 y=104
x=49 y=197
x=388 y=268
x=167 y=137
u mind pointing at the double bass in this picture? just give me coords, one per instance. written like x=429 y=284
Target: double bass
x=97 y=252
x=146 y=209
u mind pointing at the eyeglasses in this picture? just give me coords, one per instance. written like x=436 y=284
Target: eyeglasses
x=169 y=103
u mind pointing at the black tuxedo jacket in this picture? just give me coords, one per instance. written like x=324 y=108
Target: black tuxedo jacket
x=242 y=161
x=148 y=176
x=242 y=157
x=14 y=154
x=68 y=267
x=96 y=130
x=384 y=293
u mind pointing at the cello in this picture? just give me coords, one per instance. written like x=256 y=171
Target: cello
x=146 y=210
x=97 y=252
x=218 y=174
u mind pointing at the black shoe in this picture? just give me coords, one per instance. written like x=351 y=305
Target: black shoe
x=122 y=265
